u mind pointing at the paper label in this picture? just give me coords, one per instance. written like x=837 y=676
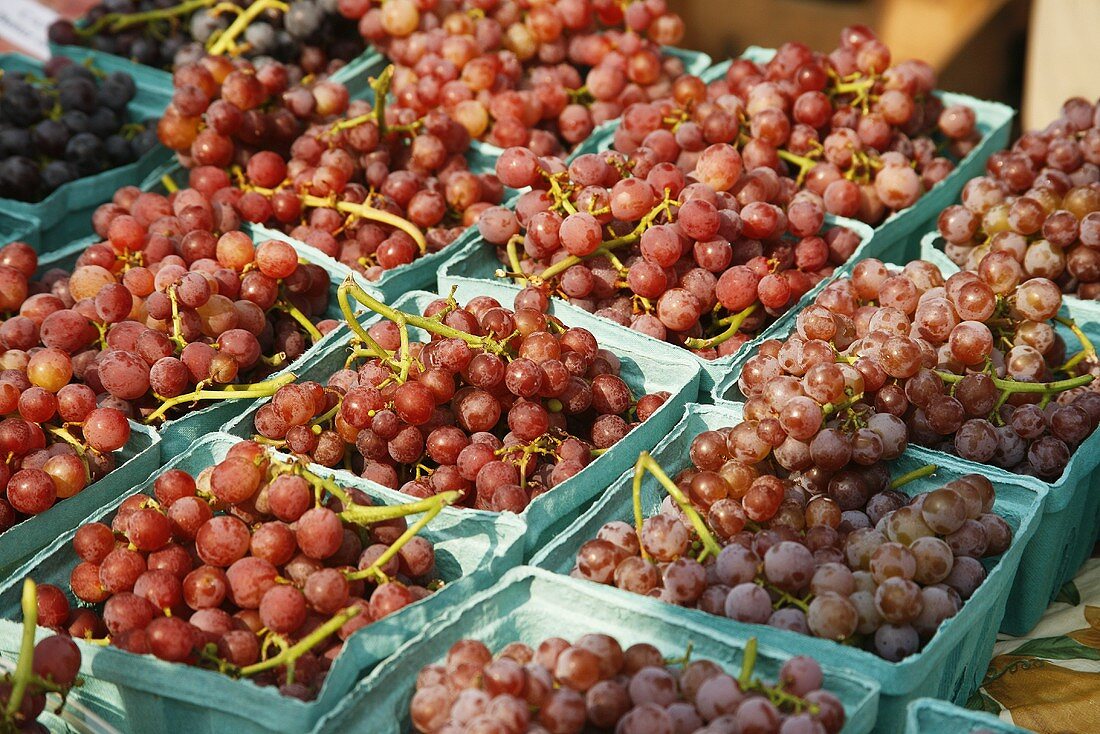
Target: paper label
x=23 y=23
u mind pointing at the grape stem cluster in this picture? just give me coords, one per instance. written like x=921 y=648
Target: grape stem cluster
x=24 y=676
x=646 y=463
x=116 y=22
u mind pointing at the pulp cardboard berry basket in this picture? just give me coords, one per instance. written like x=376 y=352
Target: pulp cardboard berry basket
x=474 y=265
x=897 y=239
x=67 y=212
x=1069 y=527
x=140 y=693
x=551 y=511
x=929 y=716
x=950 y=666
x=15 y=228
x=178 y=433
x=135 y=461
x=529 y=605
x=695 y=63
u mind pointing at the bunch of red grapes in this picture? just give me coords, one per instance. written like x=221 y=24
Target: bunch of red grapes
x=56 y=436
x=885 y=578
x=864 y=137
x=223 y=109
x=595 y=684
x=541 y=77
x=382 y=187
x=175 y=298
x=211 y=569
x=963 y=365
x=1036 y=212
x=678 y=259
x=49 y=666
x=501 y=405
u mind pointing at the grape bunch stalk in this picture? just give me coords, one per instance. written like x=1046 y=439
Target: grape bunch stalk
x=49 y=667
x=499 y=405
x=596 y=682
x=256 y=567
x=309 y=37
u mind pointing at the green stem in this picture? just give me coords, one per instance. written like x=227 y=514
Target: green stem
x=381 y=89
x=226 y=41
x=115 y=22
x=1016 y=386
x=748 y=663
x=710 y=545
x=288 y=655
x=24 y=667
x=420 y=322
x=639 y=472
x=435 y=506
x=1087 y=349
x=230 y=392
x=925 y=471
x=375 y=349
x=733 y=328
x=295 y=313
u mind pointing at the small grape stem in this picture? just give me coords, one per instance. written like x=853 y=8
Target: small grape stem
x=229 y=392
x=381 y=88
x=748 y=663
x=734 y=326
x=513 y=258
x=115 y=22
x=1088 y=351
x=286 y=306
x=430 y=325
x=168 y=184
x=374 y=349
x=805 y=164
x=176 y=336
x=925 y=471
x=431 y=507
x=288 y=655
x=559 y=195
x=226 y=41
x=710 y=545
x=830 y=408
x=631 y=237
x=779 y=697
x=63 y=433
x=362 y=211
x=1016 y=386
x=639 y=473
x=24 y=667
